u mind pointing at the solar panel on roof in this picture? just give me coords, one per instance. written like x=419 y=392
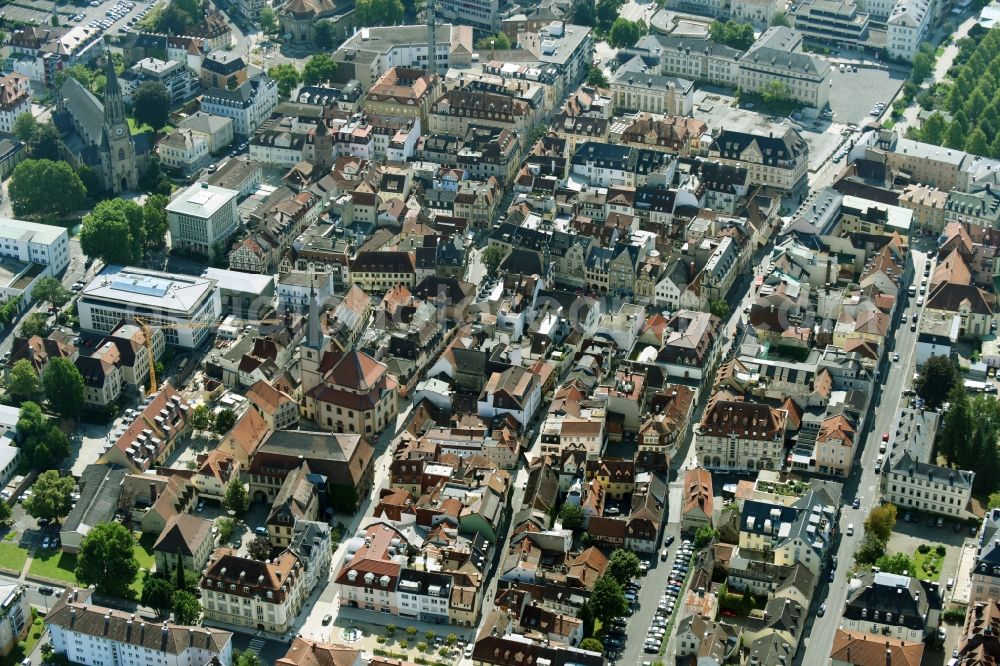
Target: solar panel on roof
x=141 y=285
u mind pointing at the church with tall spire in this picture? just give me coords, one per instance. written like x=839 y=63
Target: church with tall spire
x=96 y=134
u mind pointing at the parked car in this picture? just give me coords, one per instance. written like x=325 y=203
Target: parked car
x=856 y=504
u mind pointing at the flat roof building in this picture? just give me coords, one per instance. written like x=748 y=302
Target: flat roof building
x=202 y=216
x=36 y=243
x=188 y=306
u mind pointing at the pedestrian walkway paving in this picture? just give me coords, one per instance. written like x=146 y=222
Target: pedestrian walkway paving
x=256 y=645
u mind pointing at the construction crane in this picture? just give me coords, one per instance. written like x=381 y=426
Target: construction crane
x=147 y=331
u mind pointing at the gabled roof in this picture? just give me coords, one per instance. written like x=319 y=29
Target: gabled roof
x=183 y=533
x=860 y=649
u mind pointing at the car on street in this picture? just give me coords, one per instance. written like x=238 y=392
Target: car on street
x=327 y=619
x=895 y=357
x=46 y=591
x=821 y=611
x=856 y=504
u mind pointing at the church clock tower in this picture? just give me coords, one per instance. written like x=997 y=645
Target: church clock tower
x=118 y=162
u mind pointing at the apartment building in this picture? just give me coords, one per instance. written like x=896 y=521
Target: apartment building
x=371 y=569
x=15 y=99
x=404 y=92
x=831 y=22
x=184 y=151
x=893 y=607
x=740 y=435
x=986 y=569
x=927 y=204
x=370 y=52
x=911 y=484
x=263 y=596
x=86 y=633
x=381 y=271
x=247 y=106
x=780 y=162
x=35 y=243
x=202 y=216
x=907 y=28
x=925 y=163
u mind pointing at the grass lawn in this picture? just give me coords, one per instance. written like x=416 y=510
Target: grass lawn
x=12 y=556
x=143 y=550
x=928 y=564
x=139 y=129
x=55 y=564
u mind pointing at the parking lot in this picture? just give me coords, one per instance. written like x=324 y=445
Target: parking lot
x=89 y=14
x=853 y=94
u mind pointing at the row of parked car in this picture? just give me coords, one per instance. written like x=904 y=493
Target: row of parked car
x=665 y=608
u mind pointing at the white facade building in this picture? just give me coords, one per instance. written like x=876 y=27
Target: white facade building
x=911 y=484
x=190 y=305
x=89 y=634
x=201 y=216
x=247 y=106
x=906 y=28
x=35 y=243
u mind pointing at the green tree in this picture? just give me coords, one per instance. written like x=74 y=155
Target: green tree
x=923 y=66
x=607 y=601
x=955 y=137
x=775 y=91
x=236 y=499
x=23 y=383
x=623 y=566
x=719 y=307
x=493 y=256
x=780 y=19
x=43 y=444
x=994 y=500
x=46 y=143
x=736 y=35
x=157 y=593
x=625 y=33
x=9 y=309
x=226 y=527
x=976 y=104
x=607 y=12
x=499 y=42
x=25 y=127
x=897 y=563
x=451 y=639
x=880 y=522
x=115 y=232
x=596 y=77
x=50 y=290
x=705 y=536
x=870 y=550
x=584 y=12
x=186 y=608
x=325 y=35
x=379 y=12
x=107 y=559
x=79 y=71
x=320 y=68
x=154 y=220
x=172 y=19
x=201 y=417
x=45 y=187
x=269 y=21
x=571 y=516
x=246 y=658
x=51 y=496
x=936 y=380
x=286 y=76
x=35 y=324
x=976 y=144
x=592 y=644
x=224 y=421
x=5 y=513
x=933 y=129
x=151 y=103
x=259 y=548
x=63 y=387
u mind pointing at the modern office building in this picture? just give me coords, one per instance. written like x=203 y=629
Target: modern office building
x=185 y=306
x=202 y=216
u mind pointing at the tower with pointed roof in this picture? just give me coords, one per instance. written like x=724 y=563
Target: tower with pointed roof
x=119 y=167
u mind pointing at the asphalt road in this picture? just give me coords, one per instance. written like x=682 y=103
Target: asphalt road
x=864 y=484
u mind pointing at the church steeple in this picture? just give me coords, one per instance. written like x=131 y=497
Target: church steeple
x=114 y=106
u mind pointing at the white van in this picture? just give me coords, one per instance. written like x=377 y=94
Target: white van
x=850 y=529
